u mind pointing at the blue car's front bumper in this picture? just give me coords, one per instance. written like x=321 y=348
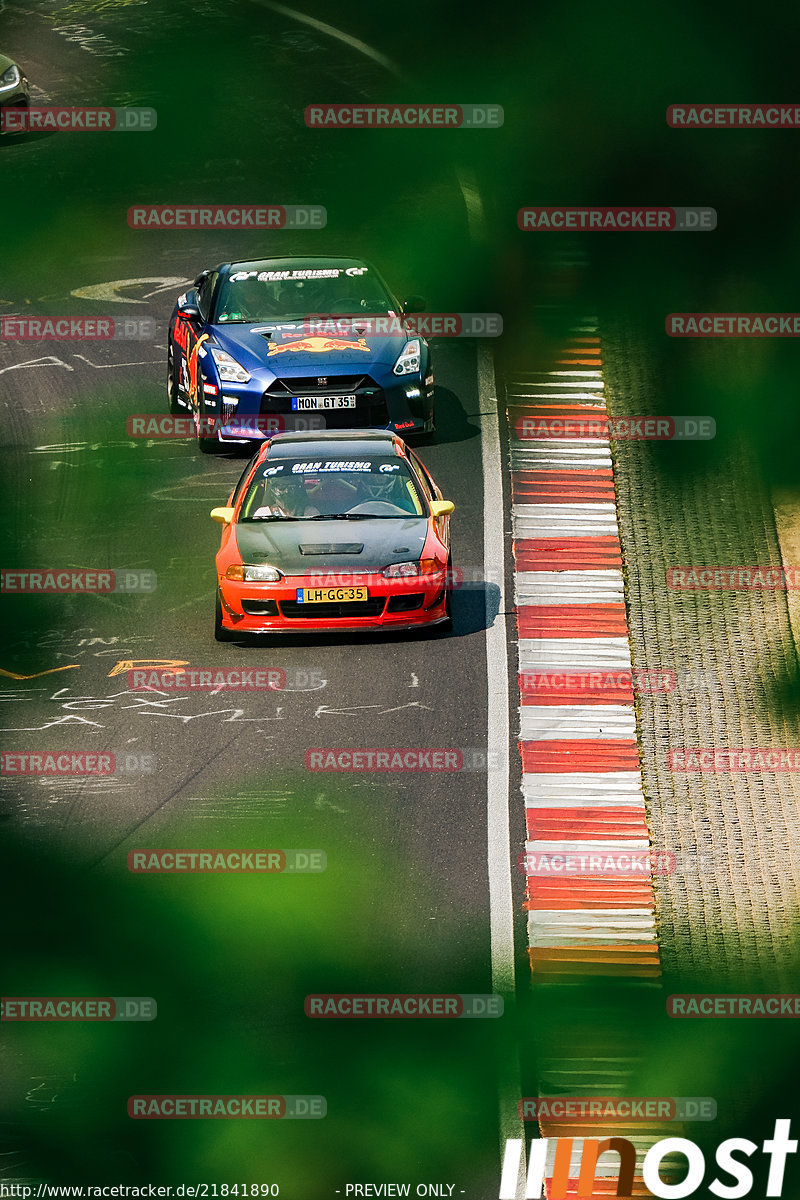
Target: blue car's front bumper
x=251 y=413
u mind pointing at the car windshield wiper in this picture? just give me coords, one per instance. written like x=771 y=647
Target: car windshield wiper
x=348 y=517
x=274 y=517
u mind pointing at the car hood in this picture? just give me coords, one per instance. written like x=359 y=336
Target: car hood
x=299 y=547
x=285 y=350
x=5 y=63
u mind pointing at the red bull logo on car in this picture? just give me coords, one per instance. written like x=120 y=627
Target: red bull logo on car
x=317 y=345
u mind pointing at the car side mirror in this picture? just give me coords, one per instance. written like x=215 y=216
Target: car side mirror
x=189 y=306
x=223 y=515
x=442 y=508
x=414 y=304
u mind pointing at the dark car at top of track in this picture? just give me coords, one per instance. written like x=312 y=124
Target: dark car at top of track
x=264 y=346
x=340 y=532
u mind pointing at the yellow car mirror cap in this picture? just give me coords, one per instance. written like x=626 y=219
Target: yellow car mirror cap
x=442 y=508
x=223 y=515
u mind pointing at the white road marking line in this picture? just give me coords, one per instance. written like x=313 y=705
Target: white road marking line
x=109 y=292
x=48 y=360
x=498 y=734
x=112 y=366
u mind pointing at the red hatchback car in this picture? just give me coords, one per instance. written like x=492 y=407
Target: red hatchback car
x=333 y=532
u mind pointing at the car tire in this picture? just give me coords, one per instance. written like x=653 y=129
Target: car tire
x=221 y=634
x=175 y=407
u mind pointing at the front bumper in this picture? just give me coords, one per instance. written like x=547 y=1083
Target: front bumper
x=246 y=415
x=391 y=604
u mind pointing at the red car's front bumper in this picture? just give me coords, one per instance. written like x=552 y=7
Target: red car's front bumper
x=407 y=603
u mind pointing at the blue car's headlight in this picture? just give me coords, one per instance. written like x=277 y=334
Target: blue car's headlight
x=410 y=359
x=230 y=371
x=10 y=78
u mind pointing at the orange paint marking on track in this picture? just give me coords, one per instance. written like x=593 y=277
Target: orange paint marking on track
x=38 y=674
x=155 y=664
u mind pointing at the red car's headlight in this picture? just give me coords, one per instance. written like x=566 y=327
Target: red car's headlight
x=405 y=570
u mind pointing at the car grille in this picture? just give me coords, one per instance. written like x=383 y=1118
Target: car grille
x=370 y=407
x=316 y=612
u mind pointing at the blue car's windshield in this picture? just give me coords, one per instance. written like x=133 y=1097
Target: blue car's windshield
x=332 y=489
x=268 y=296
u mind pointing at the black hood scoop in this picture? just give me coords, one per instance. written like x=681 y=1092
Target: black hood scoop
x=331 y=547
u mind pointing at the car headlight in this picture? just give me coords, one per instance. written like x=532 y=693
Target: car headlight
x=262 y=575
x=10 y=78
x=409 y=361
x=230 y=371
x=400 y=570
x=246 y=574
x=404 y=570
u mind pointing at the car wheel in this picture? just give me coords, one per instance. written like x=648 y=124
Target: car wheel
x=175 y=407
x=221 y=634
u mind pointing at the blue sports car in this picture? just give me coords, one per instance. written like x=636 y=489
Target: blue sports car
x=291 y=344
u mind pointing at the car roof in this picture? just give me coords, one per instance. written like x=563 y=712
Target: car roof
x=344 y=442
